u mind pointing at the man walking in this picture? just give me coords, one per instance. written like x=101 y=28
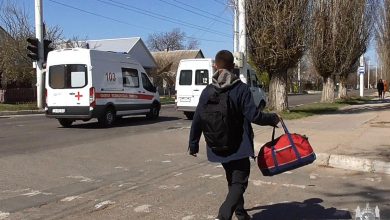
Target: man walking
x=224 y=115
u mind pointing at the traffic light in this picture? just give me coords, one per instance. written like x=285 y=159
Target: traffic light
x=33 y=48
x=47 y=48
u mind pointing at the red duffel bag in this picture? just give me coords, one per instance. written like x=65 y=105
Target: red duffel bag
x=287 y=152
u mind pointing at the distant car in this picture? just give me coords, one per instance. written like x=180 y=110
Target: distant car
x=82 y=84
x=193 y=75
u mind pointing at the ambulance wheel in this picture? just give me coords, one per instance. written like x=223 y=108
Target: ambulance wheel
x=262 y=105
x=108 y=118
x=65 y=122
x=189 y=115
x=154 y=112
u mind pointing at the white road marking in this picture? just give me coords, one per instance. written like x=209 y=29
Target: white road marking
x=122 y=168
x=35 y=192
x=189 y=217
x=178 y=174
x=166 y=161
x=142 y=208
x=205 y=175
x=215 y=176
x=82 y=178
x=260 y=183
x=169 y=187
x=103 y=205
x=219 y=166
x=3 y=215
x=294 y=185
x=147 y=161
x=313 y=177
x=288 y=172
x=70 y=198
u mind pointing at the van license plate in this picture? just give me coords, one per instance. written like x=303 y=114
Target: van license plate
x=185 y=99
x=58 y=110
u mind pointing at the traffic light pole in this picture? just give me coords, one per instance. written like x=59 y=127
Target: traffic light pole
x=39 y=64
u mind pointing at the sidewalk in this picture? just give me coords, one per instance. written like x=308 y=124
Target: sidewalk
x=354 y=138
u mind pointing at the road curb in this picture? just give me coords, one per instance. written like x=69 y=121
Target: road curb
x=22 y=112
x=353 y=163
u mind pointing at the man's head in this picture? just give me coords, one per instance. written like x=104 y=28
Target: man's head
x=224 y=60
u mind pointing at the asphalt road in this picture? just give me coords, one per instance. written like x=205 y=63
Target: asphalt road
x=140 y=169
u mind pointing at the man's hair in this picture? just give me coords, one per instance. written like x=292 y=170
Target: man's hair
x=224 y=58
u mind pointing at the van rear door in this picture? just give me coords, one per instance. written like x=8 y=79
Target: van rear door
x=201 y=80
x=184 y=88
x=68 y=86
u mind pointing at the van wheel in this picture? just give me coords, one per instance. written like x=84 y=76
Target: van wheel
x=189 y=115
x=154 y=112
x=108 y=118
x=65 y=122
x=262 y=105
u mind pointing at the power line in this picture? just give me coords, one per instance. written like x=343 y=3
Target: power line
x=161 y=17
x=198 y=9
x=214 y=18
x=123 y=22
x=220 y=2
x=99 y=15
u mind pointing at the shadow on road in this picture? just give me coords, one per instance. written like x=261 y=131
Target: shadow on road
x=126 y=122
x=308 y=209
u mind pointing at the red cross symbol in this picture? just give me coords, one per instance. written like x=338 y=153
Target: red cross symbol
x=78 y=96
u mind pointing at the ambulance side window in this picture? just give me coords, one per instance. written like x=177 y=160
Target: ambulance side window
x=130 y=77
x=147 y=84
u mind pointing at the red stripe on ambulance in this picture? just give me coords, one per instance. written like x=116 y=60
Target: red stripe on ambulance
x=123 y=96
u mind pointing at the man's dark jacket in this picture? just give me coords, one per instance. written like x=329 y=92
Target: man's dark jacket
x=241 y=98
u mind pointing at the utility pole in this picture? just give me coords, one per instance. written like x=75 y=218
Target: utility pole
x=368 y=74
x=242 y=38
x=39 y=62
x=235 y=41
x=361 y=75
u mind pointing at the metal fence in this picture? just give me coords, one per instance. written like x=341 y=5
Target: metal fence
x=18 y=95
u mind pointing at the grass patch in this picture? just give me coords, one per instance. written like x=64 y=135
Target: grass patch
x=18 y=107
x=355 y=100
x=167 y=100
x=312 y=109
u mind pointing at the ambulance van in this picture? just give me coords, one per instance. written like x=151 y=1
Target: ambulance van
x=82 y=84
x=193 y=75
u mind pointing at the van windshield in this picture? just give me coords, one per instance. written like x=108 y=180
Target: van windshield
x=68 y=76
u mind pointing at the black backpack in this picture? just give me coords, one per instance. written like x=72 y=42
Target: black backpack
x=222 y=124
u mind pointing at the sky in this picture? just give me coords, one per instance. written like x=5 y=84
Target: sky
x=208 y=21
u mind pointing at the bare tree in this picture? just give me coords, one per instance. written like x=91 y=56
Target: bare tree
x=172 y=40
x=341 y=33
x=383 y=38
x=15 y=67
x=277 y=33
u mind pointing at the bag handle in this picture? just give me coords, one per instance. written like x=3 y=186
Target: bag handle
x=289 y=138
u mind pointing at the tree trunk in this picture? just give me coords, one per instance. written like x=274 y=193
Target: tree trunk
x=278 y=92
x=342 y=89
x=328 y=90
